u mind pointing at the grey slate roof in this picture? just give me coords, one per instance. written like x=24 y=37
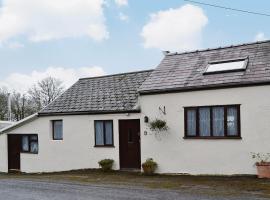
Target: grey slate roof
x=184 y=71
x=106 y=94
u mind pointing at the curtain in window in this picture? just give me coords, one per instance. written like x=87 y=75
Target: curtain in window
x=204 y=119
x=232 y=126
x=191 y=122
x=58 y=130
x=34 y=147
x=218 y=121
x=25 y=143
x=99 y=133
x=109 y=133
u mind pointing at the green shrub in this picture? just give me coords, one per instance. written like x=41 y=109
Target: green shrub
x=149 y=166
x=106 y=164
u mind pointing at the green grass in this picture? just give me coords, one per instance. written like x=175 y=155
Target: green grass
x=210 y=185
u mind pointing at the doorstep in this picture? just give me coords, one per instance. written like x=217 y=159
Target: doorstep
x=130 y=170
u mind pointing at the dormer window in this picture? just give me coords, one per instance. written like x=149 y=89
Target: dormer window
x=226 y=66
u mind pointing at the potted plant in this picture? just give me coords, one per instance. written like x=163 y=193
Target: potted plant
x=149 y=166
x=158 y=125
x=262 y=164
x=106 y=164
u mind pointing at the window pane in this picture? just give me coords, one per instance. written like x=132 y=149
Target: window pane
x=58 y=130
x=191 y=122
x=33 y=137
x=25 y=143
x=34 y=147
x=109 y=132
x=232 y=118
x=99 y=133
x=204 y=119
x=130 y=136
x=218 y=121
x=233 y=65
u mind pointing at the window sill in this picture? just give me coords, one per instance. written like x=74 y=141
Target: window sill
x=106 y=146
x=25 y=152
x=214 y=138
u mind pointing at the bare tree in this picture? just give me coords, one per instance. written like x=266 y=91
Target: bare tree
x=45 y=91
x=21 y=106
x=17 y=106
x=3 y=103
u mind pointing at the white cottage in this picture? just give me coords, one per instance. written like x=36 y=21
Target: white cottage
x=216 y=103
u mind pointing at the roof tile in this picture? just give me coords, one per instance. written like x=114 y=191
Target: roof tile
x=100 y=94
x=185 y=70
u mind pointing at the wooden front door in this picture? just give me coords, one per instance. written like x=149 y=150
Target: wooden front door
x=14 y=149
x=129 y=144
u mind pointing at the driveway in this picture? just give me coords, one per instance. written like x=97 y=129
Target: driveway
x=16 y=189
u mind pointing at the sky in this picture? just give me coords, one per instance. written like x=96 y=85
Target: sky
x=82 y=38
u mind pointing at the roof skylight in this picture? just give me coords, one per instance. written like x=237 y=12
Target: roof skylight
x=226 y=66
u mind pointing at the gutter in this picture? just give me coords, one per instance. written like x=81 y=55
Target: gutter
x=43 y=114
x=199 y=88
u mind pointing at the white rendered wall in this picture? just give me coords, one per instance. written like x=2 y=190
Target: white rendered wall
x=3 y=153
x=75 y=151
x=197 y=156
x=173 y=153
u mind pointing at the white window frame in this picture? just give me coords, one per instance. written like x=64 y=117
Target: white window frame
x=226 y=70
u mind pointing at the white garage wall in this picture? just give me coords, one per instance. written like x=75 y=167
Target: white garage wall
x=3 y=153
x=75 y=151
x=197 y=156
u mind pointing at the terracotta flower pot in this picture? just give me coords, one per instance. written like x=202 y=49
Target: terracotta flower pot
x=263 y=170
x=148 y=170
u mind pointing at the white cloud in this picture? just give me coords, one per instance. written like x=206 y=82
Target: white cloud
x=41 y=20
x=121 y=2
x=21 y=82
x=260 y=36
x=123 y=17
x=175 y=29
x=15 y=45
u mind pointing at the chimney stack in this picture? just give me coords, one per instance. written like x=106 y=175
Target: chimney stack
x=165 y=53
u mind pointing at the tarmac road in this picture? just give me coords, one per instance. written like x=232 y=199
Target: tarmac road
x=14 y=189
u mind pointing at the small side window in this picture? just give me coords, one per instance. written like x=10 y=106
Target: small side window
x=57 y=129
x=103 y=133
x=29 y=144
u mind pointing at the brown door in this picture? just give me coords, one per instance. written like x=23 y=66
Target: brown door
x=14 y=149
x=129 y=144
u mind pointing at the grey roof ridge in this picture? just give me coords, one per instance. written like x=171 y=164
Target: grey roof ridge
x=217 y=48
x=110 y=75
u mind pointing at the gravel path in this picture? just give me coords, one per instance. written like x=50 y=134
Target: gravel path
x=14 y=189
